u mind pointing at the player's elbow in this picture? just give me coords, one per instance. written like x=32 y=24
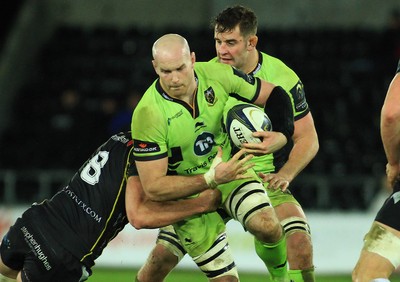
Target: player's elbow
x=315 y=146
x=155 y=196
x=140 y=221
x=390 y=117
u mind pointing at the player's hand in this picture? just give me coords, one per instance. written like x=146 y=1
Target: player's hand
x=211 y=199
x=275 y=181
x=272 y=141
x=233 y=169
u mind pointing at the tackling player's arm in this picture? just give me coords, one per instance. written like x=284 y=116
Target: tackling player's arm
x=158 y=186
x=144 y=213
x=390 y=129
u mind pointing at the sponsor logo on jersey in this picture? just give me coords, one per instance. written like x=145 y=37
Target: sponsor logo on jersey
x=87 y=209
x=204 y=143
x=210 y=96
x=203 y=164
x=178 y=114
x=35 y=247
x=120 y=138
x=299 y=97
x=145 y=147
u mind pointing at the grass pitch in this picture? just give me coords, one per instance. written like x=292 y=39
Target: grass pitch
x=128 y=275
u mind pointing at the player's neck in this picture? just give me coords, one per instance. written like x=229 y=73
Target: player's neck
x=251 y=62
x=189 y=97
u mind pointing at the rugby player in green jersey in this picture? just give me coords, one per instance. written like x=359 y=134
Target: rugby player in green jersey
x=177 y=133
x=235 y=31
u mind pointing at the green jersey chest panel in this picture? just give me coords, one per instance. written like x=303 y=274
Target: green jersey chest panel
x=188 y=135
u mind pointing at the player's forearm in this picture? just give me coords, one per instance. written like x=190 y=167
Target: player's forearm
x=158 y=214
x=173 y=187
x=303 y=151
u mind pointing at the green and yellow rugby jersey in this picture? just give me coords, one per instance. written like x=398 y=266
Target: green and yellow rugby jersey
x=275 y=71
x=189 y=136
x=166 y=127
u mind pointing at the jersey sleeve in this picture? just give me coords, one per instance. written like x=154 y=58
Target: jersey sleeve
x=240 y=85
x=148 y=132
x=298 y=97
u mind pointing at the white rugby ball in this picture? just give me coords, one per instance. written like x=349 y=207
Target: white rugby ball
x=244 y=119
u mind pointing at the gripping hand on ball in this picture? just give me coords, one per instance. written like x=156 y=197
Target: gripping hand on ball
x=272 y=141
x=223 y=172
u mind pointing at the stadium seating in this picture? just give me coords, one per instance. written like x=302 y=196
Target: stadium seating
x=340 y=69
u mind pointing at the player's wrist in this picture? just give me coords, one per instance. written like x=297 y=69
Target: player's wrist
x=209 y=177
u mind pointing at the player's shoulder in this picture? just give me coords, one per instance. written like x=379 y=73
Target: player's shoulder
x=275 y=63
x=148 y=102
x=121 y=139
x=276 y=71
x=211 y=66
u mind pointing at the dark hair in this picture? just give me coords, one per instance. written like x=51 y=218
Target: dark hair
x=232 y=16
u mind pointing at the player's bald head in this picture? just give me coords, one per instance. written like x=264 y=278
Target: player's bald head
x=170 y=45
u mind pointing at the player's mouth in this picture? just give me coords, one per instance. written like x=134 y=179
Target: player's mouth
x=225 y=60
x=176 y=87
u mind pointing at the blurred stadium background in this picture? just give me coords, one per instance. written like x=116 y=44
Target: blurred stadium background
x=72 y=71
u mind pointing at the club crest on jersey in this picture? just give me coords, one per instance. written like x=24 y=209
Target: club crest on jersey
x=210 y=96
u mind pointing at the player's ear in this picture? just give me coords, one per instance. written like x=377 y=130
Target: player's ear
x=253 y=39
x=153 y=62
x=193 y=57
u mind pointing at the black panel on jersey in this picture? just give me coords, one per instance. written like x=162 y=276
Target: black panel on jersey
x=389 y=212
x=279 y=109
x=90 y=211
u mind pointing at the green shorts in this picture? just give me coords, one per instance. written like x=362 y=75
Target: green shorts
x=279 y=197
x=198 y=233
x=227 y=188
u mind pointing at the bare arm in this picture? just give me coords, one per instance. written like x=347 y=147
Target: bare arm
x=265 y=90
x=390 y=129
x=144 y=213
x=159 y=186
x=305 y=147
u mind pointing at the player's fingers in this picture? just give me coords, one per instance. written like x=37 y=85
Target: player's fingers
x=284 y=185
x=245 y=159
x=238 y=155
x=219 y=153
x=281 y=184
x=262 y=176
x=246 y=167
x=268 y=177
x=243 y=176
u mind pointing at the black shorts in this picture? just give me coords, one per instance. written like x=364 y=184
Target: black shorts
x=40 y=257
x=389 y=212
